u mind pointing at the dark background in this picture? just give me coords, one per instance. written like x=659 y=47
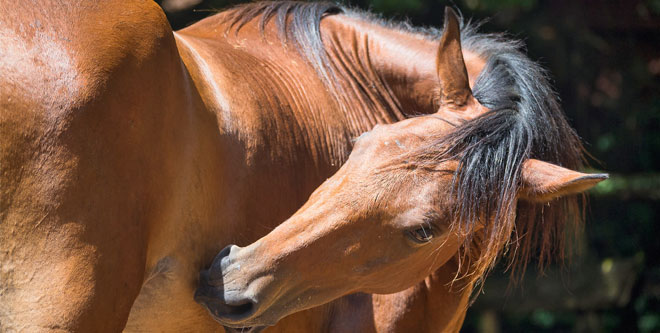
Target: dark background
x=604 y=57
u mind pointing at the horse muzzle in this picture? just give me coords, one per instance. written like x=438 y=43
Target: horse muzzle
x=228 y=299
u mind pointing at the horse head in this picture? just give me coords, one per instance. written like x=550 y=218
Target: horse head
x=387 y=219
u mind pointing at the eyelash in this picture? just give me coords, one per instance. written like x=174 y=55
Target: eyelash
x=421 y=235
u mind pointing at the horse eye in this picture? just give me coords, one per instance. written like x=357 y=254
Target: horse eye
x=421 y=235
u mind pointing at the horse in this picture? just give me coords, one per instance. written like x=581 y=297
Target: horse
x=132 y=154
x=412 y=196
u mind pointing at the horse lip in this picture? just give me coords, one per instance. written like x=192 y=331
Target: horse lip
x=225 y=319
x=237 y=328
x=229 y=321
x=250 y=323
x=244 y=329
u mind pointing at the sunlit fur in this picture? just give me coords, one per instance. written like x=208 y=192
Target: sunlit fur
x=525 y=122
x=131 y=154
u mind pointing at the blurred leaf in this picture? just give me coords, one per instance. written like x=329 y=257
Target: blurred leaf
x=543 y=318
x=654 y=5
x=649 y=323
x=640 y=186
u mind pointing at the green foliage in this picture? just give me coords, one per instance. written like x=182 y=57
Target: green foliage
x=639 y=186
x=543 y=319
x=649 y=322
x=653 y=5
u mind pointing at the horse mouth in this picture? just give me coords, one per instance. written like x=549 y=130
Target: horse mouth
x=246 y=329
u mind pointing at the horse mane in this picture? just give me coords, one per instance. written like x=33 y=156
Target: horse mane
x=298 y=23
x=525 y=122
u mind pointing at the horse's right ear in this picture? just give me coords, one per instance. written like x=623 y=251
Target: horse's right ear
x=452 y=73
x=543 y=182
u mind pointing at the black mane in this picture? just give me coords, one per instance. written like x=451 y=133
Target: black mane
x=525 y=122
x=303 y=30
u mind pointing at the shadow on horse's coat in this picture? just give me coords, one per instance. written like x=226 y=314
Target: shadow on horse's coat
x=130 y=155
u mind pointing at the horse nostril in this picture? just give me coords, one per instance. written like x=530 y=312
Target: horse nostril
x=221 y=260
x=219 y=264
x=211 y=291
x=224 y=252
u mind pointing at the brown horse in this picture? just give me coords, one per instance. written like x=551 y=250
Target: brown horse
x=412 y=196
x=130 y=155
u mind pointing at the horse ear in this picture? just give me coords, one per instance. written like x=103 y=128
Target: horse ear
x=454 y=83
x=543 y=182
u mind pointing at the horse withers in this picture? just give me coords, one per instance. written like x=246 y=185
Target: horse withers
x=411 y=197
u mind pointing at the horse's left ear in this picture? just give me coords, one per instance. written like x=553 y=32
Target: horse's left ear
x=452 y=73
x=543 y=182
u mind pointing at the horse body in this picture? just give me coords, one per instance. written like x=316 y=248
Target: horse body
x=84 y=156
x=132 y=155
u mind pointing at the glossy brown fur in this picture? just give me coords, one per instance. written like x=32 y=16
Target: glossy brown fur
x=130 y=156
x=353 y=235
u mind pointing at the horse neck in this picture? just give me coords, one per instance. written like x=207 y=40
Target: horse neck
x=269 y=81
x=404 y=62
